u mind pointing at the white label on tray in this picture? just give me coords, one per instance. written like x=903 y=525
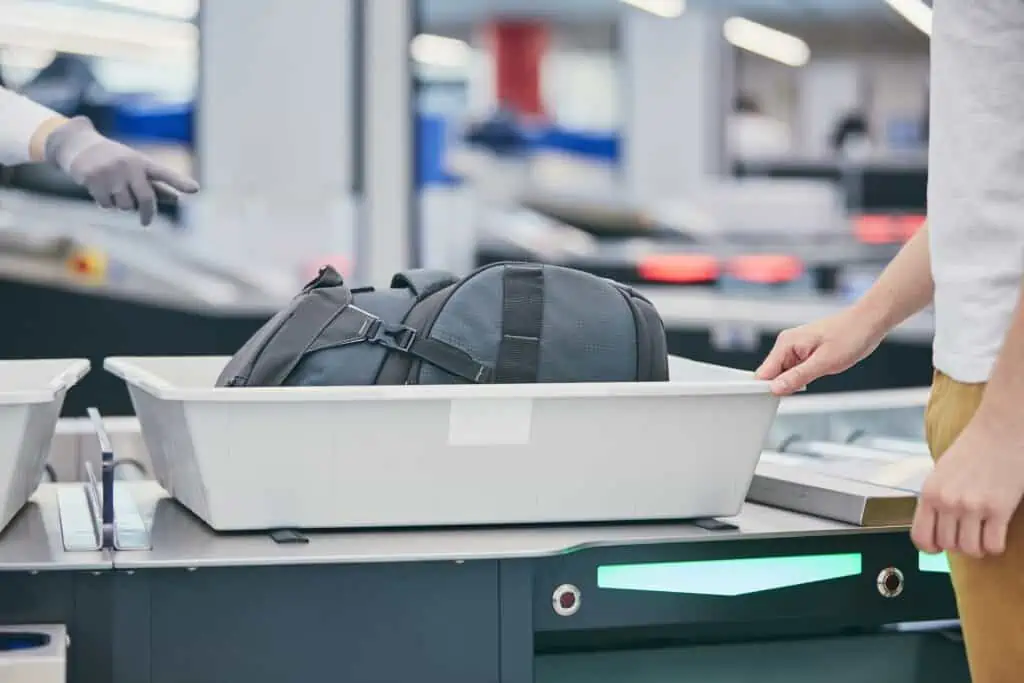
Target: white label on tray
x=490 y=422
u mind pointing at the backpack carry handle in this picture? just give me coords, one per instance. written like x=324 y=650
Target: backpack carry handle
x=423 y=282
x=326 y=277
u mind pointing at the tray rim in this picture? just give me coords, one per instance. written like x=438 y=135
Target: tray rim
x=127 y=369
x=75 y=369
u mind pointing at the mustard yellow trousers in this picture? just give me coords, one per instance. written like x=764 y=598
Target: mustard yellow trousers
x=990 y=591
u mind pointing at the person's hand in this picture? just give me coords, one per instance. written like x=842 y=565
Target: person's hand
x=967 y=502
x=825 y=347
x=115 y=175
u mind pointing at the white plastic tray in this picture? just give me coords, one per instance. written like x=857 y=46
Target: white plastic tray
x=31 y=397
x=344 y=457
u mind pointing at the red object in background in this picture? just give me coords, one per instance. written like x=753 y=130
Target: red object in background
x=342 y=264
x=887 y=229
x=679 y=269
x=518 y=47
x=766 y=269
x=909 y=225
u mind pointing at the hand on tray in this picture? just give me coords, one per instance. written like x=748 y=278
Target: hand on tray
x=825 y=347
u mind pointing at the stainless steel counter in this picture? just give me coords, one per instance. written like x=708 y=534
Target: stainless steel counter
x=33 y=541
x=181 y=540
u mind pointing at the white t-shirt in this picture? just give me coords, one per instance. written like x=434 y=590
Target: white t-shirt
x=976 y=180
x=20 y=117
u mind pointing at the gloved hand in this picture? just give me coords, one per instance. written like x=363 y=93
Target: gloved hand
x=115 y=175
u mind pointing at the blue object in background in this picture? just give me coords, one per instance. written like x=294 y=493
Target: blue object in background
x=141 y=119
x=594 y=146
x=904 y=134
x=501 y=134
x=431 y=168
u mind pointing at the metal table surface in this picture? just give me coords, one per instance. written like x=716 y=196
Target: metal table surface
x=33 y=542
x=178 y=539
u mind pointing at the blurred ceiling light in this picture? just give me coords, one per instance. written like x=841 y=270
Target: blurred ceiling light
x=92 y=32
x=440 y=51
x=916 y=12
x=174 y=9
x=767 y=42
x=668 y=9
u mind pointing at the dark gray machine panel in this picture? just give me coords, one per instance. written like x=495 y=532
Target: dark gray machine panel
x=718 y=598
x=878 y=658
x=383 y=623
x=79 y=600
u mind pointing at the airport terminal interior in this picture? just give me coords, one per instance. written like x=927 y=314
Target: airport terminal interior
x=745 y=165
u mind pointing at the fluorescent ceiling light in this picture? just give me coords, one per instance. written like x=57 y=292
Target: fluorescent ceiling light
x=440 y=51
x=174 y=9
x=914 y=11
x=667 y=9
x=767 y=42
x=37 y=25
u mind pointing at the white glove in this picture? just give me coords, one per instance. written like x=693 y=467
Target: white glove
x=115 y=175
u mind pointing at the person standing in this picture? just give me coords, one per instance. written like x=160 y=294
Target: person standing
x=968 y=261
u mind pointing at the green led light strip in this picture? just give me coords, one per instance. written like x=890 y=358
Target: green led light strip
x=729 y=578
x=933 y=564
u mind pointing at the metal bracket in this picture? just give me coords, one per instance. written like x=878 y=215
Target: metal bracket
x=98 y=514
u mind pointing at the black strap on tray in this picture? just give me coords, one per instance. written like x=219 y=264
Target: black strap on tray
x=522 y=321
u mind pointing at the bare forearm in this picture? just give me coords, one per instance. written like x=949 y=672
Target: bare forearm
x=903 y=289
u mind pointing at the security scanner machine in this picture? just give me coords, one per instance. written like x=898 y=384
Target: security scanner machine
x=897 y=184
x=563 y=552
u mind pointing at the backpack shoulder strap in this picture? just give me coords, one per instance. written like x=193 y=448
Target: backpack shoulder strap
x=326 y=311
x=423 y=282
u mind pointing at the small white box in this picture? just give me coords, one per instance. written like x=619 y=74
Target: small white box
x=38 y=654
x=401 y=456
x=31 y=397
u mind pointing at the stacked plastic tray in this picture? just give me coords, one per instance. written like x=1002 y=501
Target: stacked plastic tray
x=31 y=397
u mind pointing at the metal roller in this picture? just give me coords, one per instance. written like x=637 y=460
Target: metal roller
x=129 y=469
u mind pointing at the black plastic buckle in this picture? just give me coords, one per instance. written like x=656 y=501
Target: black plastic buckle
x=394 y=337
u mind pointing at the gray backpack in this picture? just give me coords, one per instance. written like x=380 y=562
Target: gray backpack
x=504 y=323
